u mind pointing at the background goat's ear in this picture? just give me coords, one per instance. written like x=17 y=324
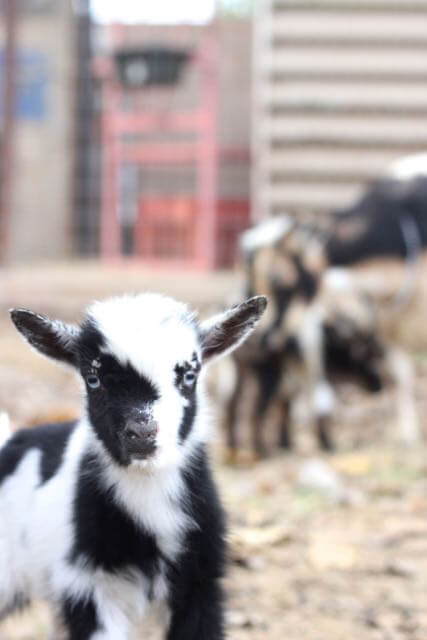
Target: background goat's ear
x=52 y=338
x=226 y=331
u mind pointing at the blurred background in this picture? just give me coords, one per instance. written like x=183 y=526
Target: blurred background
x=139 y=141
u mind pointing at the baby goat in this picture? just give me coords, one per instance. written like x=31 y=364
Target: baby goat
x=119 y=511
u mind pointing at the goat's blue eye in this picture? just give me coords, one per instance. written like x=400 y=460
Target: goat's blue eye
x=189 y=378
x=93 y=381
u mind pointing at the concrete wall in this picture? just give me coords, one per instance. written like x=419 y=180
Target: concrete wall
x=40 y=224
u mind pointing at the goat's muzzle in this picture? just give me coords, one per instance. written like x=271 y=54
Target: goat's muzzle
x=140 y=438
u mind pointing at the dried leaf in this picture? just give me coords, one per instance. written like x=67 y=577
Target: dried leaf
x=325 y=553
x=253 y=538
x=353 y=464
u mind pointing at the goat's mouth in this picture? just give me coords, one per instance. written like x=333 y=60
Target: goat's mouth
x=142 y=450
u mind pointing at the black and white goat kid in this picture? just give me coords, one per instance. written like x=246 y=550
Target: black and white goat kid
x=114 y=513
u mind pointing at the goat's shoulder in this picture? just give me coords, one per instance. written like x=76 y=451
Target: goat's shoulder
x=201 y=494
x=50 y=440
x=125 y=518
x=106 y=536
x=204 y=547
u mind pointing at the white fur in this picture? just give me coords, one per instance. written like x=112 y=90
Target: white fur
x=163 y=514
x=265 y=234
x=323 y=399
x=5 y=430
x=402 y=372
x=150 y=331
x=409 y=167
x=38 y=534
x=339 y=279
x=153 y=333
x=310 y=338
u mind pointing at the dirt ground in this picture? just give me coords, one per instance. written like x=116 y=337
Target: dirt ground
x=321 y=547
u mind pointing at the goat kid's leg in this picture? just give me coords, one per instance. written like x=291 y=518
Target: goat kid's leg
x=285 y=436
x=258 y=423
x=323 y=433
x=231 y=418
x=267 y=376
x=199 y=617
x=311 y=341
x=323 y=404
x=82 y=620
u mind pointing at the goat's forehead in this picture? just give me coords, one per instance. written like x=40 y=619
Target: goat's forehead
x=148 y=331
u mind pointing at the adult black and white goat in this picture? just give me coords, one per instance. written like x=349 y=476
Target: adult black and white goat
x=382 y=242
x=119 y=511
x=343 y=302
x=319 y=329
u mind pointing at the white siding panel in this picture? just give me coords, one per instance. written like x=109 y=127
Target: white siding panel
x=339 y=25
x=340 y=91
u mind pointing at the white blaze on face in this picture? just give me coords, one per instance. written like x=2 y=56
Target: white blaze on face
x=153 y=334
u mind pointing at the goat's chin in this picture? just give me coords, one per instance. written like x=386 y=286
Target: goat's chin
x=162 y=459
x=144 y=466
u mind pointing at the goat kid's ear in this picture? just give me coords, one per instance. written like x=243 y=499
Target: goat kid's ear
x=226 y=331
x=52 y=338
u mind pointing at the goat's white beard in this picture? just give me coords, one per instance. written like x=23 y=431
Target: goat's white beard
x=157 y=461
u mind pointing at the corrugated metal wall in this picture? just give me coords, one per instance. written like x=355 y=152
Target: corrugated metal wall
x=340 y=90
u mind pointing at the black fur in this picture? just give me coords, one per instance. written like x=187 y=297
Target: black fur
x=196 y=597
x=283 y=296
x=80 y=619
x=268 y=375
x=239 y=322
x=55 y=340
x=121 y=391
x=188 y=391
x=50 y=439
x=381 y=210
x=188 y=419
x=181 y=370
x=357 y=358
x=307 y=282
x=107 y=538
x=104 y=534
x=305 y=287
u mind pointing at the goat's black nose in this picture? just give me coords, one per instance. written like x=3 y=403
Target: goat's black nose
x=140 y=438
x=136 y=430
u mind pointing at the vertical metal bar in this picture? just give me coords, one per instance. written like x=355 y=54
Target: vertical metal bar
x=260 y=207
x=110 y=228
x=10 y=68
x=208 y=157
x=84 y=217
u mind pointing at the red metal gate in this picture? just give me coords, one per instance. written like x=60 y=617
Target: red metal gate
x=188 y=228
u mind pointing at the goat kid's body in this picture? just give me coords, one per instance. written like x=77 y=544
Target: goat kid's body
x=115 y=542
x=119 y=511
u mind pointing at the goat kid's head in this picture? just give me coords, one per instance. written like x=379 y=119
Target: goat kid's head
x=140 y=358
